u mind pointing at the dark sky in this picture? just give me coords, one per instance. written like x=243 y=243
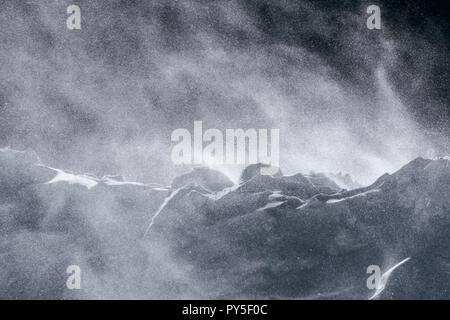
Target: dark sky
x=106 y=98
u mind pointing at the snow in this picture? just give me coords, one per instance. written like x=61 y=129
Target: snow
x=161 y=208
x=70 y=178
x=89 y=181
x=272 y=205
x=385 y=277
x=113 y=182
x=362 y=194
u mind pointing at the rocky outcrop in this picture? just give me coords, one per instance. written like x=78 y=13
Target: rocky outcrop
x=278 y=236
x=212 y=180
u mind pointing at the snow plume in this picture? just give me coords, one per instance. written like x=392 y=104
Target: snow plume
x=106 y=98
